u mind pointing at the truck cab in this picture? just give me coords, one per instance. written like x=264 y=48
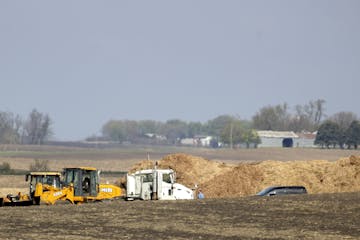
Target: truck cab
x=155 y=184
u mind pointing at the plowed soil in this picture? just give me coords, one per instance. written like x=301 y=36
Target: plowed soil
x=313 y=216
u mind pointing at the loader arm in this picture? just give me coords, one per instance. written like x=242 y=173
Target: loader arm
x=50 y=194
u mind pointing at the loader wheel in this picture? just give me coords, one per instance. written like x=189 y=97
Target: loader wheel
x=36 y=200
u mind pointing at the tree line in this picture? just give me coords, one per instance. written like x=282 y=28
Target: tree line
x=232 y=130
x=340 y=129
x=35 y=129
x=227 y=129
x=331 y=133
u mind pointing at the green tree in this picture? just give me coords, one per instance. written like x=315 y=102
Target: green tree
x=353 y=135
x=250 y=136
x=114 y=130
x=343 y=119
x=215 y=126
x=195 y=128
x=328 y=134
x=232 y=133
x=149 y=126
x=239 y=132
x=132 y=130
x=174 y=130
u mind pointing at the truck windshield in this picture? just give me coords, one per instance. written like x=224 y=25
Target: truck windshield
x=148 y=177
x=166 y=177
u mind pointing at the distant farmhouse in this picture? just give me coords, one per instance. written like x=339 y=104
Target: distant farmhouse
x=286 y=139
x=199 y=141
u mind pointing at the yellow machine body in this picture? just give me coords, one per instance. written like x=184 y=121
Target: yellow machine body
x=80 y=184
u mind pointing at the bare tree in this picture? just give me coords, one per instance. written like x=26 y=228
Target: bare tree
x=308 y=117
x=10 y=126
x=315 y=111
x=319 y=111
x=344 y=119
x=302 y=119
x=272 y=118
x=37 y=127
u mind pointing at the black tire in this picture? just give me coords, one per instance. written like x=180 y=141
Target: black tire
x=36 y=200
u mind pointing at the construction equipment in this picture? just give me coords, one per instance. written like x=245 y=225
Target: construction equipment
x=46 y=178
x=16 y=200
x=79 y=185
x=155 y=184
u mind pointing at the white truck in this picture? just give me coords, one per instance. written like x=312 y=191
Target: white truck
x=155 y=184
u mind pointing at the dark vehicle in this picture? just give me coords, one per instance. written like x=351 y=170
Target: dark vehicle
x=282 y=190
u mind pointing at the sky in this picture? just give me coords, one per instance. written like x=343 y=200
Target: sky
x=87 y=62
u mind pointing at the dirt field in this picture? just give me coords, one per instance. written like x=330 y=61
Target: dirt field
x=20 y=157
x=313 y=216
x=228 y=178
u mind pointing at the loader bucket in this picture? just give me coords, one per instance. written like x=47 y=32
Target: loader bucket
x=19 y=203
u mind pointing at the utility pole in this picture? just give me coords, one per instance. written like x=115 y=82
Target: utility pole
x=231 y=135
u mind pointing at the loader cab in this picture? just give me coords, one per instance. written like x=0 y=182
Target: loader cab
x=49 y=179
x=85 y=180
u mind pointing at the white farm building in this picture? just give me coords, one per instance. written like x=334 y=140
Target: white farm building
x=286 y=139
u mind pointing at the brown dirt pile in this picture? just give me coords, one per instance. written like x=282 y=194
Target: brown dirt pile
x=223 y=180
x=190 y=170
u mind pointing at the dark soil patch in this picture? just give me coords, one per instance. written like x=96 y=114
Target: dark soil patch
x=318 y=216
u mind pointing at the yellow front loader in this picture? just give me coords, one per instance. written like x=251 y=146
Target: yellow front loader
x=79 y=185
x=45 y=179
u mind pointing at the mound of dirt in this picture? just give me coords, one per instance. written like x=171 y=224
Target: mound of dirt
x=219 y=180
x=241 y=180
x=190 y=170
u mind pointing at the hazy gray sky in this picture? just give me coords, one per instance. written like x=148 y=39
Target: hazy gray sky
x=86 y=62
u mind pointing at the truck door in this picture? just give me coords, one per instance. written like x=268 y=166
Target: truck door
x=165 y=186
x=138 y=185
x=146 y=186
x=94 y=181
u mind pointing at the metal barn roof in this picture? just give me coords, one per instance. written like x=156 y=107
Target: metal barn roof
x=277 y=134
